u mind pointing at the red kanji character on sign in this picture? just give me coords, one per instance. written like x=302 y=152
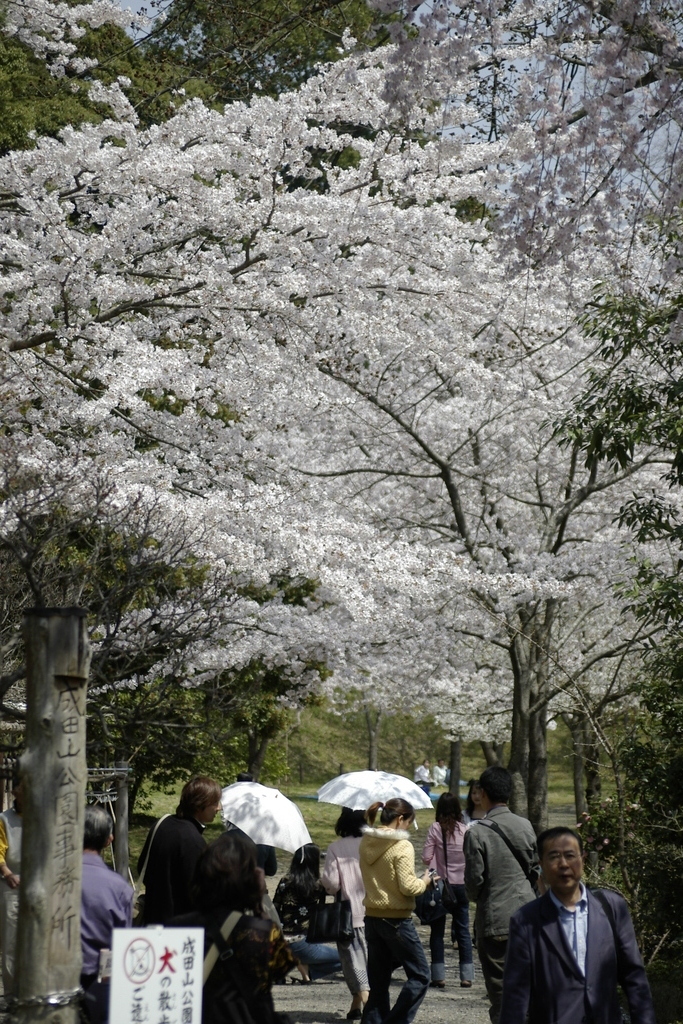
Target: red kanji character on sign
x=166 y=960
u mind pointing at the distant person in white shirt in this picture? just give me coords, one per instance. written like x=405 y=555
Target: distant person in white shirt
x=423 y=777
x=440 y=773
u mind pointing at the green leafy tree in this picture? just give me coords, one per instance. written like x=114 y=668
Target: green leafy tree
x=151 y=602
x=635 y=838
x=217 y=52
x=32 y=101
x=226 y=51
x=632 y=406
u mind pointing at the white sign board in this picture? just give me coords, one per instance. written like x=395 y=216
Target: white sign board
x=156 y=976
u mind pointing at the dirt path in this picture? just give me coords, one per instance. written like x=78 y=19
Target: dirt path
x=327 y=1000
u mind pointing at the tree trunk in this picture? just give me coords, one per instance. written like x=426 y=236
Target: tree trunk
x=133 y=790
x=574 y=724
x=538 y=771
x=518 y=765
x=585 y=762
x=493 y=752
x=373 y=735
x=528 y=762
x=258 y=746
x=537 y=782
x=121 y=853
x=455 y=766
x=54 y=774
x=591 y=755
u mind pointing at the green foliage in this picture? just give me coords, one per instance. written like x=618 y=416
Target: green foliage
x=167 y=733
x=156 y=90
x=320 y=741
x=652 y=861
x=150 y=600
x=634 y=398
x=630 y=410
x=292 y=590
x=211 y=50
x=232 y=50
x=637 y=841
x=666 y=984
x=32 y=101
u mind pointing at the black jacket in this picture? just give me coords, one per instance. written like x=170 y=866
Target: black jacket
x=178 y=845
x=266 y=857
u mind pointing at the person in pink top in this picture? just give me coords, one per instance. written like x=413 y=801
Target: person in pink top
x=450 y=864
x=342 y=872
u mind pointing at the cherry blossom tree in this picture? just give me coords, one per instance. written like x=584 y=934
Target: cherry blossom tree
x=302 y=323
x=51 y=29
x=588 y=98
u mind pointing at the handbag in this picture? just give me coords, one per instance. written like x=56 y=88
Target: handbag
x=429 y=904
x=331 y=922
x=448 y=897
x=139 y=896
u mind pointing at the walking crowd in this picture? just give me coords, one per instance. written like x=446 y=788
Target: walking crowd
x=551 y=950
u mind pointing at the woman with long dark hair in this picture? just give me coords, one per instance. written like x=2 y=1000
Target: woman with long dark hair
x=449 y=829
x=387 y=862
x=473 y=809
x=247 y=949
x=342 y=874
x=297 y=893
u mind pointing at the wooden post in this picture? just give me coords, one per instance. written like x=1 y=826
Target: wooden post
x=53 y=772
x=121 y=826
x=455 y=766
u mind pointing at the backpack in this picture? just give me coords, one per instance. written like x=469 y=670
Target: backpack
x=228 y=996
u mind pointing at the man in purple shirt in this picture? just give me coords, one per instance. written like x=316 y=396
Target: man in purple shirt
x=106 y=903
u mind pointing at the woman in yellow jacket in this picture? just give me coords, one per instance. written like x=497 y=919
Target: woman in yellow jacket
x=387 y=862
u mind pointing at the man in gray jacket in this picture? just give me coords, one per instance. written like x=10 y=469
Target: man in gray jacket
x=500 y=872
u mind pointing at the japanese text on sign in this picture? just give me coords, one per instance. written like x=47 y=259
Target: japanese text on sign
x=156 y=976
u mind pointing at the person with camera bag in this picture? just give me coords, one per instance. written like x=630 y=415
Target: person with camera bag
x=500 y=876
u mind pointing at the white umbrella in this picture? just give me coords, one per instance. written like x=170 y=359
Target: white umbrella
x=266 y=815
x=360 y=789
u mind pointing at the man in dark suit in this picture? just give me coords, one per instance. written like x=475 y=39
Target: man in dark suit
x=568 y=950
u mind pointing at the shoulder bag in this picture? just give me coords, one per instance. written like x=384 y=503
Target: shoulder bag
x=139 y=897
x=448 y=897
x=331 y=922
x=531 y=874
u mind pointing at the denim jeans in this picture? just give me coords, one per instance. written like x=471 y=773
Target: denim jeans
x=394 y=941
x=320 y=959
x=460 y=932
